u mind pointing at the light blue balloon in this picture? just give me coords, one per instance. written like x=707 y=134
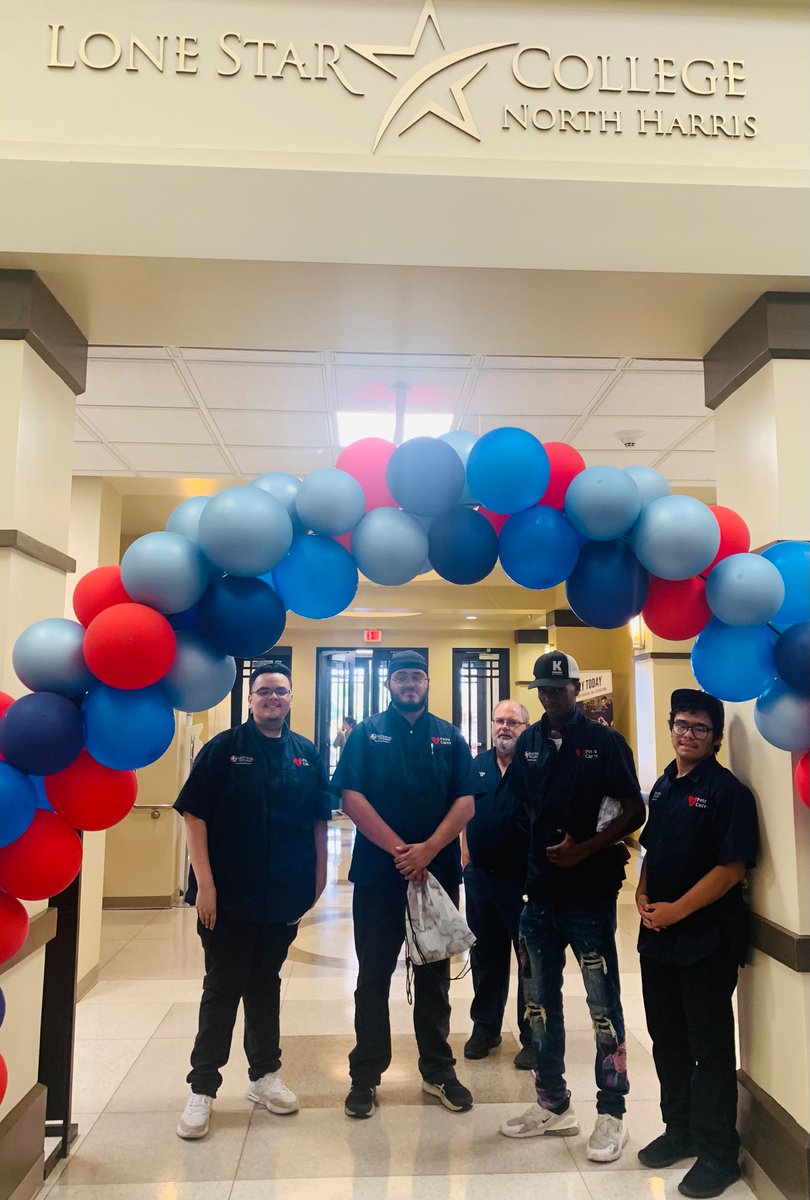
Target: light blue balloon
x=284 y=487
x=389 y=546
x=651 y=484
x=165 y=570
x=538 y=547
x=508 y=470
x=48 y=656
x=744 y=589
x=245 y=531
x=734 y=662
x=200 y=676
x=126 y=730
x=462 y=442
x=792 y=561
x=330 y=501
x=676 y=537
x=602 y=503
x=782 y=716
x=185 y=518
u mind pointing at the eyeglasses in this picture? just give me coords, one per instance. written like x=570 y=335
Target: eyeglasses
x=508 y=721
x=699 y=730
x=409 y=677
x=263 y=693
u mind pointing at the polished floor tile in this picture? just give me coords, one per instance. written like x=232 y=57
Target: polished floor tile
x=649 y=1185
x=96 y=1021
x=549 y=1186
x=98 y=1068
x=148 y=1191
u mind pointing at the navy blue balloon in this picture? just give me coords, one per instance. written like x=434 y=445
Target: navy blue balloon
x=41 y=733
x=425 y=476
x=792 y=561
x=608 y=585
x=539 y=547
x=317 y=577
x=462 y=545
x=792 y=656
x=18 y=803
x=734 y=662
x=128 y=729
x=241 y=617
x=188 y=619
x=2 y=1007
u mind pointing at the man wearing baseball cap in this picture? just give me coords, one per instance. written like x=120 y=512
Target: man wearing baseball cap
x=578 y=781
x=701 y=836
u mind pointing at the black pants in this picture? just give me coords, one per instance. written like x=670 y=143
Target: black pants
x=242 y=962
x=493 y=907
x=379 y=932
x=691 y=1023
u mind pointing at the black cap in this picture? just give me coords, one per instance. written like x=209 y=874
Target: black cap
x=555 y=669
x=404 y=660
x=694 y=700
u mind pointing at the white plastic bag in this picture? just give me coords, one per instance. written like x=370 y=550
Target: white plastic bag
x=434 y=928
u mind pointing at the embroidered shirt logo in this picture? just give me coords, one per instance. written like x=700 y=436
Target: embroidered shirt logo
x=531 y=756
x=300 y=762
x=441 y=741
x=380 y=737
x=590 y=754
x=697 y=801
x=242 y=760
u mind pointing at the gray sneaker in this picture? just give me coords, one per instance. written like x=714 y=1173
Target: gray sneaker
x=608 y=1137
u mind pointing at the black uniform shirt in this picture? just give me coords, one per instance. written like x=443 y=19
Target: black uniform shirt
x=259 y=797
x=498 y=834
x=700 y=821
x=411 y=775
x=563 y=792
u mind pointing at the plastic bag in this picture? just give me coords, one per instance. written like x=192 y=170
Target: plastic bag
x=434 y=928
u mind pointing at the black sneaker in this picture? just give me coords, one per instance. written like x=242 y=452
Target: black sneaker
x=525 y=1059
x=708 y=1178
x=479 y=1046
x=360 y=1102
x=452 y=1094
x=666 y=1150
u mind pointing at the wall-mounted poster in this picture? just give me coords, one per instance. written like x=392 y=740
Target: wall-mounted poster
x=596 y=696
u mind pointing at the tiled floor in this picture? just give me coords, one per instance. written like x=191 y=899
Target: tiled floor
x=134 y=1034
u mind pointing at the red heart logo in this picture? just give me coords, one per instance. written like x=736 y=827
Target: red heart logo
x=577 y=751
x=297 y=762
x=692 y=800
x=435 y=741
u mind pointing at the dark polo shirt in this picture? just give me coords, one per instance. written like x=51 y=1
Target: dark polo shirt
x=498 y=834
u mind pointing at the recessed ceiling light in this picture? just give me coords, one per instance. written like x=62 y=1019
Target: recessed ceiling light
x=472 y=618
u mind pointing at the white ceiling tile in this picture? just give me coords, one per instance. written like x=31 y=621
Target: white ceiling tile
x=264 y=386
x=518 y=362
x=149 y=425
x=547 y=429
x=406 y=362
x=81 y=433
x=96 y=458
x=618 y=458
x=195 y=460
x=436 y=389
x=533 y=392
x=131 y=382
x=273 y=428
x=689 y=466
x=297 y=460
x=654 y=433
x=294 y=357
x=656 y=393
x=666 y=364
x=702 y=440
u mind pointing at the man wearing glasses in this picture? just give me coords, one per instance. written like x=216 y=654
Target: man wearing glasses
x=255 y=808
x=494 y=849
x=700 y=837
x=407 y=783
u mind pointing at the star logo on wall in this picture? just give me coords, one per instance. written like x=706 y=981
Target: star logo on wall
x=461 y=117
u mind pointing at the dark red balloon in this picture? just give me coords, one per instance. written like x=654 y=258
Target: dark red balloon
x=6 y=701
x=129 y=646
x=42 y=862
x=13 y=927
x=97 y=590
x=90 y=796
x=367 y=461
x=565 y=463
x=735 y=536
x=676 y=608
x=496 y=520
x=800 y=778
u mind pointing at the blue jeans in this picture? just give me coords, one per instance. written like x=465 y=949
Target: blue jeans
x=545 y=932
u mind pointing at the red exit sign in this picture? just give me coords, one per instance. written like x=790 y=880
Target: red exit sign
x=372 y=635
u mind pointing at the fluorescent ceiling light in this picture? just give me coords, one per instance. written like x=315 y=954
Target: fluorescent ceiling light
x=352 y=426
x=427 y=424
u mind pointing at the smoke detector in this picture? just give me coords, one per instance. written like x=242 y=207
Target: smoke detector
x=630 y=438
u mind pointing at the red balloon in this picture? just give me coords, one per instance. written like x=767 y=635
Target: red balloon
x=367 y=461
x=676 y=608
x=5 y=702
x=129 y=646
x=735 y=536
x=42 y=862
x=97 y=590
x=345 y=539
x=90 y=796
x=13 y=927
x=800 y=778
x=496 y=520
x=565 y=463
x=3 y=1078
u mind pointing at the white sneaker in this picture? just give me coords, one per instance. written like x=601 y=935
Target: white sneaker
x=537 y=1121
x=196 y=1117
x=271 y=1092
x=608 y=1137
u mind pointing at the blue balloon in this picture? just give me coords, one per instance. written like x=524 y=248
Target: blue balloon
x=676 y=537
x=41 y=733
x=508 y=470
x=284 y=487
x=128 y=729
x=39 y=787
x=389 y=546
x=425 y=476
x=317 y=578
x=18 y=803
x=48 y=656
x=199 y=677
x=782 y=716
x=734 y=662
x=241 y=617
x=651 y=484
x=462 y=442
x=538 y=547
x=185 y=518
x=462 y=545
x=245 y=531
x=792 y=561
x=608 y=585
x=744 y=589
x=330 y=501
x=166 y=571
x=792 y=656
x=602 y=503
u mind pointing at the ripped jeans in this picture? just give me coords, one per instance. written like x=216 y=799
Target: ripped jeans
x=545 y=932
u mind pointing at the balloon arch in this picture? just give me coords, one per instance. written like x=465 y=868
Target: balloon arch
x=161 y=632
